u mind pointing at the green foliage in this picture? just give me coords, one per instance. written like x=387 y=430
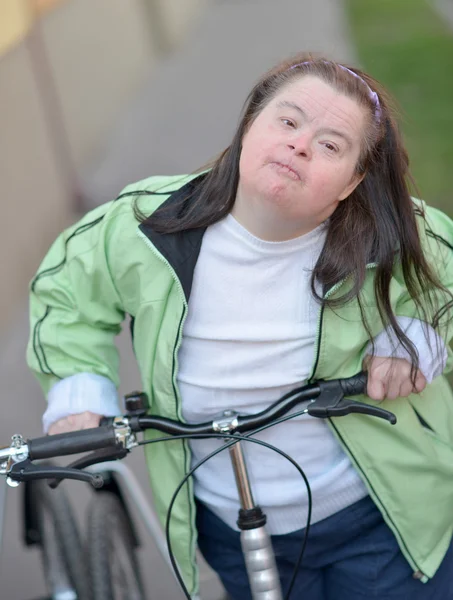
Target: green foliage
x=409 y=48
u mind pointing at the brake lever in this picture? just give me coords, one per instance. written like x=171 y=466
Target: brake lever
x=92 y=459
x=332 y=403
x=28 y=471
x=345 y=406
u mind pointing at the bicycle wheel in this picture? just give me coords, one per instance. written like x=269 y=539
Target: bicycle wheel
x=114 y=567
x=62 y=553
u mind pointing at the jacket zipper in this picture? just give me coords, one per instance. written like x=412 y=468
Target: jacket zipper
x=319 y=329
x=176 y=347
x=418 y=574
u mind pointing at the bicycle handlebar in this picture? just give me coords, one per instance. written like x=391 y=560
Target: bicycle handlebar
x=115 y=436
x=64 y=444
x=326 y=400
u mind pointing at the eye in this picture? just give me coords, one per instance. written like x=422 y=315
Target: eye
x=288 y=122
x=331 y=147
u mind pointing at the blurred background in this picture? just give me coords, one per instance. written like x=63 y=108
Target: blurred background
x=95 y=94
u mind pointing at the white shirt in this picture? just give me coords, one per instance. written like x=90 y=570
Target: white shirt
x=249 y=337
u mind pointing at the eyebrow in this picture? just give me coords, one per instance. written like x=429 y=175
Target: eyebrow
x=328 y=130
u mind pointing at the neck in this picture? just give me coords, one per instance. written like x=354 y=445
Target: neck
x=267 y=225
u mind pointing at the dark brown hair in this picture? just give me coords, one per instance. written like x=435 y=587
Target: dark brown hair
x=376 y=223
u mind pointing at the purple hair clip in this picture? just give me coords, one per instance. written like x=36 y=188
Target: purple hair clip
x=373 y=95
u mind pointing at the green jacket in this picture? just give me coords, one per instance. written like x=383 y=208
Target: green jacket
x=107 y=266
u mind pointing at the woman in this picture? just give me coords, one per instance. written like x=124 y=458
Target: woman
x=298 y=254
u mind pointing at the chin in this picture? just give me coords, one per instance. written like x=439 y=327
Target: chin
x=270 y=187
x=279 y=193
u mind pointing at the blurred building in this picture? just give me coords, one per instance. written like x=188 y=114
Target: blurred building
x=67 y=70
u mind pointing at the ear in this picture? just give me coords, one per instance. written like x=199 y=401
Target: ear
x=351 y=186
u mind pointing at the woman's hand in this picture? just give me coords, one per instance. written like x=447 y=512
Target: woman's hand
x=85 y=420
x=391 y=378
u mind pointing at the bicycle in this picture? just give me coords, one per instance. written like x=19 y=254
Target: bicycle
x=117 y=436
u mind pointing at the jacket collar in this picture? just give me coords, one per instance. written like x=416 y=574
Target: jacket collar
x=181 y=249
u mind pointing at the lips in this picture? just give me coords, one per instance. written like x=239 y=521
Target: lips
x=288 y=168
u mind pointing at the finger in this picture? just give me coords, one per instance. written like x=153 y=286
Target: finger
x=59 y=426
x=85 y=419
x=420 y=382
x=376 y=387
x=72 y=422
x=406 y=388
x=398 y=378
x=377 y=377
x=53 y=429
x=91 y=420
x=393 y=389
x=90 y=423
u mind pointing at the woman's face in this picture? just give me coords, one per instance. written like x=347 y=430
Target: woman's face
x=299 y=157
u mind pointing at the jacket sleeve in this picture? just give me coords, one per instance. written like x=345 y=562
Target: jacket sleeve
x=432 y=351
x=437 y=241
x=79 y=393
x=75 y=308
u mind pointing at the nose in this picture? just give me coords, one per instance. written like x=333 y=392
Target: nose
x=301 y=145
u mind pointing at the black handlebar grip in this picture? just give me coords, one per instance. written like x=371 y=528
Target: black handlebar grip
x=355 y=385
x=72 y=442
